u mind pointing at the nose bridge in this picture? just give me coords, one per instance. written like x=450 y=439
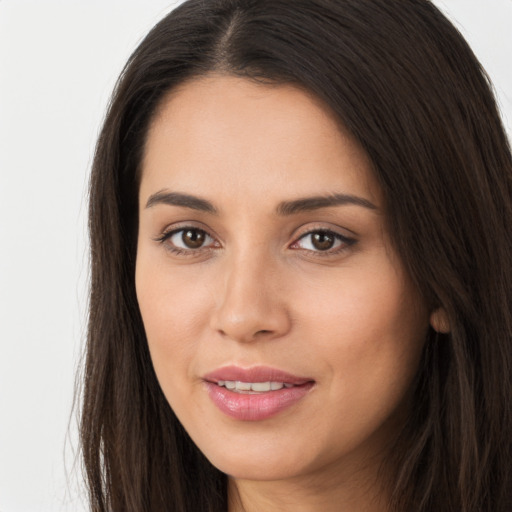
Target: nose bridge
x=249 y=304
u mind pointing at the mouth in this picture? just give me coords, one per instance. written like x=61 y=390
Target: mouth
x=257 y=393
x=258 y=379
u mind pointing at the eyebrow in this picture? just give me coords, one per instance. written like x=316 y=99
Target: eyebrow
x=315 y=203
x=179 y=199
x=284 y=208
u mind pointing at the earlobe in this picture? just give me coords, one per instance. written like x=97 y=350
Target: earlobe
x=439 y=321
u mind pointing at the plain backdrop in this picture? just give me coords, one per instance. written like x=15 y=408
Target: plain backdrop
x=58 y=63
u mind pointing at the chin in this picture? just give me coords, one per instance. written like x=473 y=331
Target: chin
x=262 y=469
x=252 y=457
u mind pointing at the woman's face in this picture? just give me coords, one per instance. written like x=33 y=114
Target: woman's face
x=281 y=325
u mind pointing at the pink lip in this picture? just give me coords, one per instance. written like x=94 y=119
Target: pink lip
x=260 y=406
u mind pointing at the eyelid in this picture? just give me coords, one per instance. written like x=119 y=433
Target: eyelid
x=182 y=225
x=308 y=227
x=314 y=227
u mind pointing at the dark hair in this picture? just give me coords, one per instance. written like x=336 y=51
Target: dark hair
x=404 y=82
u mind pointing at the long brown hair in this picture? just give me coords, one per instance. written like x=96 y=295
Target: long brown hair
x=402 y=79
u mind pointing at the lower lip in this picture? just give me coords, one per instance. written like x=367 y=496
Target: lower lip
x=257 y=406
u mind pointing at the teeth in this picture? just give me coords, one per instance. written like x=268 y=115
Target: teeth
x=261 y=386
x=257 y=387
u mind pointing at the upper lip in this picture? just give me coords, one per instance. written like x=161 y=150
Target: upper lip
x=254 y=374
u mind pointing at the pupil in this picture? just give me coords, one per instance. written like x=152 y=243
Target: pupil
x=193 y=239
x=323 y=241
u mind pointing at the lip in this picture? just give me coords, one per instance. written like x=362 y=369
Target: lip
x=255 y=374
x=255 y=406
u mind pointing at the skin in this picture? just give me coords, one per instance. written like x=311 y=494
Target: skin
x=259 y=292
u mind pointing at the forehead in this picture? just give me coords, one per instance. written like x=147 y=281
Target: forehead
x=228 y=135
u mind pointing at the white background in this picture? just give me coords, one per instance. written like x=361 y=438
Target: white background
x=58 y=64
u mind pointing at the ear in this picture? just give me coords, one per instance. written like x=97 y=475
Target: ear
x=439 y=321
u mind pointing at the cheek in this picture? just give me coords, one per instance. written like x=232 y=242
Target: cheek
x=368 y=332
x=370 y=328
x=173 y=309
x=363 y=305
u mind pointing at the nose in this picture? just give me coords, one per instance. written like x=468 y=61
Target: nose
x=251 y=304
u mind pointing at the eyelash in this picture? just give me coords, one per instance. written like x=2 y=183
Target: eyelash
x=345 y=242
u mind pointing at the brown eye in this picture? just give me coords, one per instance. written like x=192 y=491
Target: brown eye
x=322 y=240
x=193 y=238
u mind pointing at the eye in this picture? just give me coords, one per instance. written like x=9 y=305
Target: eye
x=188 y=239
x=322 y=240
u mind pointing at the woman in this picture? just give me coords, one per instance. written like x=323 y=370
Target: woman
x=301 y=270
